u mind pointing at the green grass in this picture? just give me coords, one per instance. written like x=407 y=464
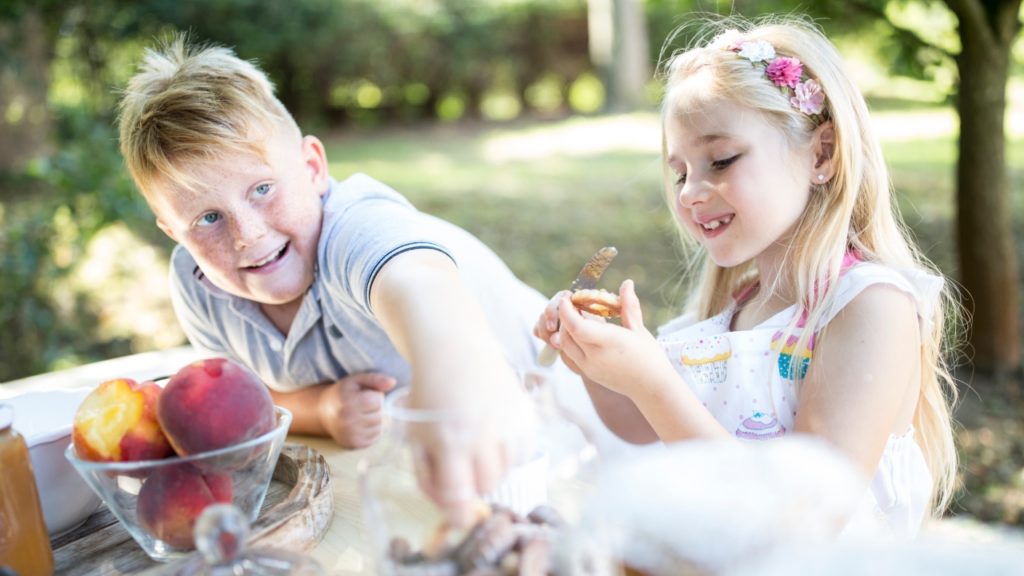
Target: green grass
x=545 y=196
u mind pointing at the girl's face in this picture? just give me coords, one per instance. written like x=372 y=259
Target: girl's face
x=254 y=225
x=740 y=188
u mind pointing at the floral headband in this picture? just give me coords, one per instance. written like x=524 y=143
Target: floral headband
x=784 y=72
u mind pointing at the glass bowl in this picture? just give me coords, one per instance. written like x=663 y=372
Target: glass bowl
x=529 y=522
x=158 y=501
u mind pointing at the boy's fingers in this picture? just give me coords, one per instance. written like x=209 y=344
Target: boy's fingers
x=489 y=468
x=370 y=401
x=375 y=381
x=424 y=467
x=453 y=480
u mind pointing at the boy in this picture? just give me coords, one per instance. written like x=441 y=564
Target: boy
x=332 y=292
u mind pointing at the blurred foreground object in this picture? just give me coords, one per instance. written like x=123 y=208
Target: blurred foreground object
x=528 y=525
x=221 y=534
x=706 y=507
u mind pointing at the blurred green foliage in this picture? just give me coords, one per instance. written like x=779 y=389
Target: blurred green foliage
x=352 y=62
x=43 y=234
x=356 y=65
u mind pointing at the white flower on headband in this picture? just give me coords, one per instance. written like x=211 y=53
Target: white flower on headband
x=729 y=40
x=757 y=51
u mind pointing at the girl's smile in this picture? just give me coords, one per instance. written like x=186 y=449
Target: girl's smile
x=714 y=225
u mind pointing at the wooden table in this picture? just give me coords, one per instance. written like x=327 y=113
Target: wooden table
x=343 y=550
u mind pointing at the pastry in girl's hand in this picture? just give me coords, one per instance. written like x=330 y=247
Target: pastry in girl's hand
x=597 y=302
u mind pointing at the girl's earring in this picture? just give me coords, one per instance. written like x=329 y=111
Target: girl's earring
x=821 y=177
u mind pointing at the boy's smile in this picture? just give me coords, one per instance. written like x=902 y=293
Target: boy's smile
x=253 y=225
x=740 y=186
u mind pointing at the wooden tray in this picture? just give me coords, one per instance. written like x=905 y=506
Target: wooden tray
x=296 y=512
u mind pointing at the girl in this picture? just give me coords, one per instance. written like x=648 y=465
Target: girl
x=814 y=313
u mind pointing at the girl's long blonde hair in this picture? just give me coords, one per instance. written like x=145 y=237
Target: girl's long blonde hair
x=854 y=211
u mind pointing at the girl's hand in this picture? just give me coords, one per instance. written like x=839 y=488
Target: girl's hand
x=626 y=359
x=547 y=325
x=351 y=409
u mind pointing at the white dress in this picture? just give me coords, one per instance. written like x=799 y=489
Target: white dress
x=742 y=377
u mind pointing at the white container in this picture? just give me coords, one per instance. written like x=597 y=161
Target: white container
x=45 y=419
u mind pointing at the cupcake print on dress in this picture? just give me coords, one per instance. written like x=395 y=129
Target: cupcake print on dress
x=760 y=426
x=792 y=366
x=707 y=358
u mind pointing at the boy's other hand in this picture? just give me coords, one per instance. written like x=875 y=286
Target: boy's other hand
x=351 y=409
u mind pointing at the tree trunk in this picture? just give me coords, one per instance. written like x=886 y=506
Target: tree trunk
x=988 y=263
x=619 y=50
x=24 y=81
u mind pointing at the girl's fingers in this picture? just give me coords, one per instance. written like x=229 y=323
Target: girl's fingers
x=632 y=315
x=551 y=310
x=575 y=326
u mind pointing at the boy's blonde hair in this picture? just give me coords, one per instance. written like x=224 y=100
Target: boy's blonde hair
x=854 y=211
x=194 y=103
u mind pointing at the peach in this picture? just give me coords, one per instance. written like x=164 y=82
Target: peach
x=172 y=498
x=214 y=403
x=117 y=422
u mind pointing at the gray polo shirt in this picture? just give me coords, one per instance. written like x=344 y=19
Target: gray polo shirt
x=335 y=333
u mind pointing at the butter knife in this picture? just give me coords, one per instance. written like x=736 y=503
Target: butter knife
x=585 y=280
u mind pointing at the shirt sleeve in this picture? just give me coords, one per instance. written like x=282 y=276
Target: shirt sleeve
x=362 y=238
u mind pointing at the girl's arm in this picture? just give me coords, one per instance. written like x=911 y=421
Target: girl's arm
x=620 y=414
x=458 y=366
x=864 y=379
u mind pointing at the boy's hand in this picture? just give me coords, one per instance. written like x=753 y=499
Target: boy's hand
x=465 y=456
x=351 y=409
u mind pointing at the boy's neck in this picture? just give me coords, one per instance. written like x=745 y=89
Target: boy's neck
x=282 y=315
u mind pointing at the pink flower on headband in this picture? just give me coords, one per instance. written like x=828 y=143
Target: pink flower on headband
x=784 y=71
x=809 y=98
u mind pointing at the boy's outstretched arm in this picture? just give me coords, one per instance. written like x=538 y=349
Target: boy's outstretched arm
x=458 y=366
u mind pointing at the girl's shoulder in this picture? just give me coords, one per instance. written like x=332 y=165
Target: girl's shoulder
x=922 y=286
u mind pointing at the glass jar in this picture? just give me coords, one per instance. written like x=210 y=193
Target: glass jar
x=528 y=525
x=24 y=544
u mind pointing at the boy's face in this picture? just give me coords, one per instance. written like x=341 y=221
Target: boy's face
x=253 y=225
x=740 y=187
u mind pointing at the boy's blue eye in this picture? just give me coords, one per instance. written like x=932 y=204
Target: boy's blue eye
x=208 y=219
x=262 y=190
x=722 y=164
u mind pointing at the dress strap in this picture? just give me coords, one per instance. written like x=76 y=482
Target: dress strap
x=741 y=296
